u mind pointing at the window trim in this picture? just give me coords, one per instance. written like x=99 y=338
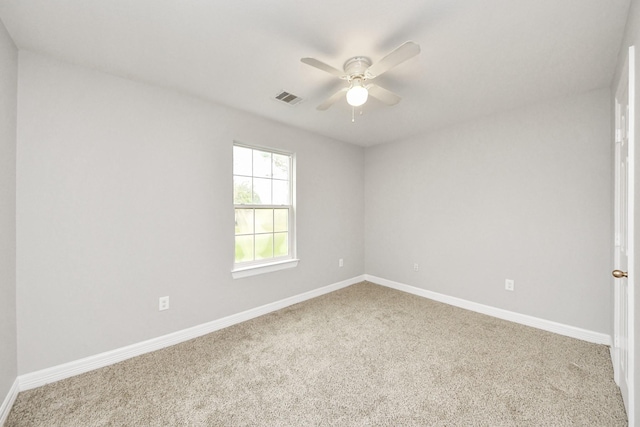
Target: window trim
x=255 y=267
x=254 y=270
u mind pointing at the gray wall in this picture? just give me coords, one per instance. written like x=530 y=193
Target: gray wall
x=8 y=111
x=525 y=195
x=125 y=195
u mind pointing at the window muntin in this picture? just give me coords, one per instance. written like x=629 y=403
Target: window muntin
x=262 y=187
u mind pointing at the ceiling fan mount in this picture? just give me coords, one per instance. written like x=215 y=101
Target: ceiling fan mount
x=356 y=67
x=358 y=70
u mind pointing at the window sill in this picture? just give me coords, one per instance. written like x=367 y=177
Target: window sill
x=254 y=270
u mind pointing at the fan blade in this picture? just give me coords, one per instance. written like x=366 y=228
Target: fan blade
x=382 y=94
x=406 y=51
x=324 y=67
x=332 y=99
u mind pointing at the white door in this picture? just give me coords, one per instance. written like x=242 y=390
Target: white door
x=623 y=351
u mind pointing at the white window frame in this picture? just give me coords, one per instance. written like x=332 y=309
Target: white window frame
x=252 y=268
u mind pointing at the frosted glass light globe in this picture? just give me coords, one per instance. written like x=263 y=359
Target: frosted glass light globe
x=357 y=95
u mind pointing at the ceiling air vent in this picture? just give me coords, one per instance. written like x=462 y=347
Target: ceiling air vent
x=288 y=98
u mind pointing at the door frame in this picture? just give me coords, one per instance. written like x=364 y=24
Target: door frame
x=628 y=74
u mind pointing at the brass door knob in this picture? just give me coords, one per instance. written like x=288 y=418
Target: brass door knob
x=618 y=274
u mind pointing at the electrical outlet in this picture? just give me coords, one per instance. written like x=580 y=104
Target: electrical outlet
x=163 y=303
x=340 y=262
x=415 y=267
x=509 y=284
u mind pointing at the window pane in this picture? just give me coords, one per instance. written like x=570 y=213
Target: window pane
x=261 y=164
x=261 y=177
x=281 y=220
x=244 y=248
x=264 y=246
x=264 y=220
x=262 y=191
x=242 y=194
x=280 y=166
x=280 y=192
x=244 y=221
x=242 y=161
x=281 y=244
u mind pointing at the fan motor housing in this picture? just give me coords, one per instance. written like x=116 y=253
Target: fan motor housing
x=356 y=66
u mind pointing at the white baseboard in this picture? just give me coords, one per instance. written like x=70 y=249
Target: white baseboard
x=60 y=372
x=613 y=351
x=8 y=401
x=523 y=319
x=67 y=370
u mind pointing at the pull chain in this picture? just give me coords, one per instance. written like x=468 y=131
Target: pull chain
x=353 y=114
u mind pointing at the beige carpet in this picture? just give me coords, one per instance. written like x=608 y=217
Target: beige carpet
x=362 y=356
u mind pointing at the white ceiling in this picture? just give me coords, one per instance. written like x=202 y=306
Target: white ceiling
x=478 y=56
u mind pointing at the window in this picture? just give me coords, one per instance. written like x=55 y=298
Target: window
x=264 y=212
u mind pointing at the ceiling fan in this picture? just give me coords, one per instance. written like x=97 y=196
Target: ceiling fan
x=359 y=70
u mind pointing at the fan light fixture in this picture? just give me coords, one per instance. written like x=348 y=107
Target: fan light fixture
x=357 y=94
x=358 y=70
